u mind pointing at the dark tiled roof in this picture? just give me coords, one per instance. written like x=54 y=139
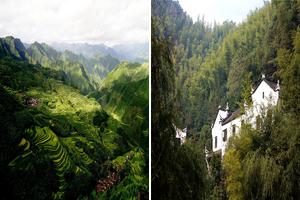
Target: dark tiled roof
x=231 y=117
x=270 y=83
x=235 y=114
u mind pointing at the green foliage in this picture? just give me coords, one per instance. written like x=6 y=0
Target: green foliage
x=124 y=97
x=289 y=70
x=265 y=155
x=136 y=179
x=205 y=139
x=12 y=47
x=132 y=112
x=77 y=70
x=246 y=93
x=234 y=178
x=62 y=141
x=97 y=67
x=178 y=172
x=217 y=187
x=211 y=63
x=216 y=65
x=271 y=152
x=74 y=73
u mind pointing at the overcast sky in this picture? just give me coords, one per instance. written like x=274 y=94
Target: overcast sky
x=220 y=10
x=93 y=21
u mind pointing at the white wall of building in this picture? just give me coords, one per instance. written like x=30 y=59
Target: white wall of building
x=181 y=135
x=229 y=127
x=263 y=97
x=217 y=126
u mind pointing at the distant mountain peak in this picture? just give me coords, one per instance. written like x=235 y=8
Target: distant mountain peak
x=44 y=50
x=11 y=46
x=87 y=50
x=137 y=52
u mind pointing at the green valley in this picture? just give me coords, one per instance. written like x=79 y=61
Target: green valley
x=67 y=122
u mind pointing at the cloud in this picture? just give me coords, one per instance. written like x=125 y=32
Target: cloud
x=220 y=10
x=93 y=21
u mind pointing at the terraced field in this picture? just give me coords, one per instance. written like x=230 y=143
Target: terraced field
x=64 y=132
x=133 y=180
x=56 y=142
x=45 y=139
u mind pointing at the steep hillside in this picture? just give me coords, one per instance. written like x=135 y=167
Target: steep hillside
x=57 y=143
x=79 y=71
x=126 y=79
x=42 y=53
x=94 y=68
x=124 y=95
x=54 y=125
x=10 y=46
x=75 y=73
x=97 y=66
x=215 y=65
x=193 y=43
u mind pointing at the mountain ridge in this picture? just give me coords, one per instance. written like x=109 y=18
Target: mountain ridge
x=58 y=142
x=88 y=71
x=136 y=52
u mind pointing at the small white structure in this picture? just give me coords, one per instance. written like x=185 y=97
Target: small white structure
x=181 y=134
x=227 y=124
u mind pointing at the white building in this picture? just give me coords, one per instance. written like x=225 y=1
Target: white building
x=227 y=124
x=181 y=134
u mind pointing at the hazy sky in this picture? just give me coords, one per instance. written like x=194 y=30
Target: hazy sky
x=220 y=10
x=93 y=21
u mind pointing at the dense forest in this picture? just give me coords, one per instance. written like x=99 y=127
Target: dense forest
x=197 y=67
x=68 y=130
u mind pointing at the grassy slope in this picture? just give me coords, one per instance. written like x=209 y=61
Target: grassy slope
x=61 y=133
x=61 y=125
x=124 y=88
x=74 y=72
x=124 y=95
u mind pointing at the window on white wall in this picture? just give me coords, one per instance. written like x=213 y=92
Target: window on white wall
x=233 y=129
x=263 y=95
x=216 y=141
x=224 y=135
x=243 y=122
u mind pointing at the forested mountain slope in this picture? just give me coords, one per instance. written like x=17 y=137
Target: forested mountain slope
x=178 y=172
x=97 y=66
x=84 y=73
x=124 y=95
x=212 y=61
x=12 y=47
x=57 y=143
x=192 y=44
x=218 y=64
x=76 y=74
